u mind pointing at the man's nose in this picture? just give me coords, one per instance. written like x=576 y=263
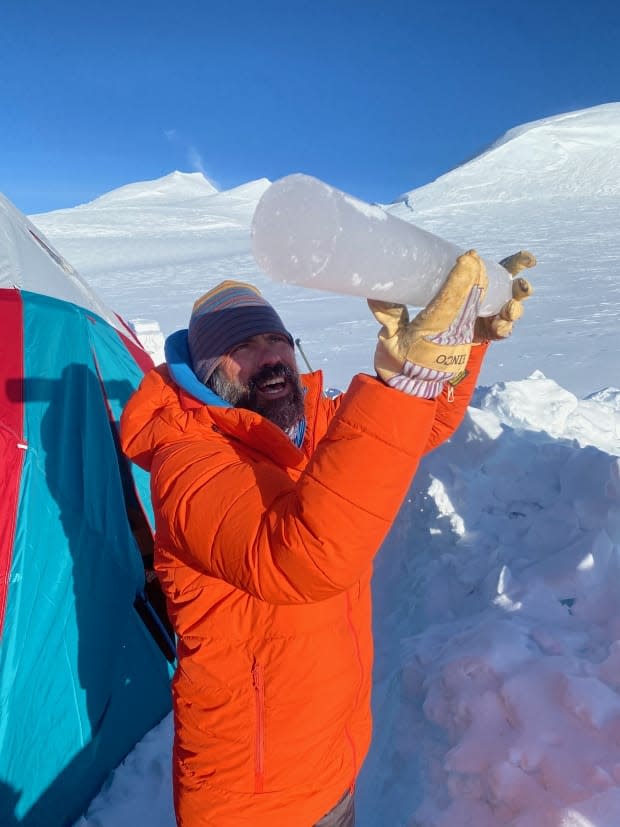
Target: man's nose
x=270 y=354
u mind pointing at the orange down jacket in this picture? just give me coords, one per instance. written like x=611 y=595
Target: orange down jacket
x=264 y=551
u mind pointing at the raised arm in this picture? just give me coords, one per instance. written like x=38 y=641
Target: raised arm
x=238 y=516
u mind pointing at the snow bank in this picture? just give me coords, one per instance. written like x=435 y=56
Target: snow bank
x=140 y=791
x=508 y=683
x=591 y=421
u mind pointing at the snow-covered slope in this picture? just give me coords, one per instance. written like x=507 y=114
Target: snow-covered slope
x=497 y=685
x=571 y=155
x=175 y=188
x=153 y=247
x=552 y=187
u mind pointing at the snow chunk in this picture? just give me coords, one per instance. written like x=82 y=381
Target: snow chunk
x=151 y=338
x=540 y=404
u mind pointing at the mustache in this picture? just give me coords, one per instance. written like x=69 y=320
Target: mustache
x=277 y=371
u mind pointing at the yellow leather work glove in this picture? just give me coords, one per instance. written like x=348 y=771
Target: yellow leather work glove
x=493 y=328
x=420 y=356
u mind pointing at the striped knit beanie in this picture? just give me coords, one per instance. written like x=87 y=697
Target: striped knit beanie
x=224 y=317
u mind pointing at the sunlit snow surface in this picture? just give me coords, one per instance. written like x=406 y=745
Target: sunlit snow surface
x=497 y=593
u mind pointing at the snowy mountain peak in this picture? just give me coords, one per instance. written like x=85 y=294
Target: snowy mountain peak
x=171 y=189
x=597 y=125
x=576 y=154
x=251 y=189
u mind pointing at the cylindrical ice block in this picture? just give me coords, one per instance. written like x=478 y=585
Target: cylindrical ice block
x=307 y=233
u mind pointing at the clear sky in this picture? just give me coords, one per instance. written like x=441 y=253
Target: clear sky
x=374 y=96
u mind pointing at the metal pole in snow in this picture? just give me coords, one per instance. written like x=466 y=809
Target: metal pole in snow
x=304 y=357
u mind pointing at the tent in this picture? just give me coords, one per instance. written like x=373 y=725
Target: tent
x=83 y=667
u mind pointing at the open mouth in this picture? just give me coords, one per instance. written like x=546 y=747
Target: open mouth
x=273 y=387
x=276 y=393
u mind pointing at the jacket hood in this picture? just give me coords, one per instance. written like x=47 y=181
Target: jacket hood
x=179 y=363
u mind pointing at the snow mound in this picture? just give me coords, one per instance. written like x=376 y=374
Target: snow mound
x=150 y=337
x=244 y=197
x=147 y=768
x=607 y=396
x=572 y=155
x=540 y=404
x=171 y=189
x=251 y=191
x=505 y=693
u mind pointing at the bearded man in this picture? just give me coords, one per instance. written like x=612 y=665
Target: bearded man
x=270 y=503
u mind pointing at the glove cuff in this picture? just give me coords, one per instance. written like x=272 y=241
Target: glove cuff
x=415 y=380
x=422 y=388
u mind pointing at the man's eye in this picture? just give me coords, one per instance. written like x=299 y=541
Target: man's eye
x=237 y=348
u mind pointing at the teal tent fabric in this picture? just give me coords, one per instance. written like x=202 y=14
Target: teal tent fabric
x=81 y=679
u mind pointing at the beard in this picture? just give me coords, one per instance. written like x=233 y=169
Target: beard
x=284 y=412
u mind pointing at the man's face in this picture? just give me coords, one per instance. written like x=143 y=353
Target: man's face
x=260 y=374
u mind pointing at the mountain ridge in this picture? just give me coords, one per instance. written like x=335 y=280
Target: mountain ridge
x=174 y=187
x=575 y=154
x=152 y=259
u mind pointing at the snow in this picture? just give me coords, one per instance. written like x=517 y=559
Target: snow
x=146 y=770
x=369 y=210
x=151 y=338
x=497 y=609
x=508 y=704
x=576 y=154
x=177 y=187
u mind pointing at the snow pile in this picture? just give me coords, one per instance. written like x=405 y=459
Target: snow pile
x=146 y=770
x=151 y=338
x=509 y=691
x=591 y=421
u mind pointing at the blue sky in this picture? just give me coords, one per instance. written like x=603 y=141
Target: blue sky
x=376 y=97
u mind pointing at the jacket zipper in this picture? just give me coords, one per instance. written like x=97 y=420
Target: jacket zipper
x=258 y=682
x=361 y=668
